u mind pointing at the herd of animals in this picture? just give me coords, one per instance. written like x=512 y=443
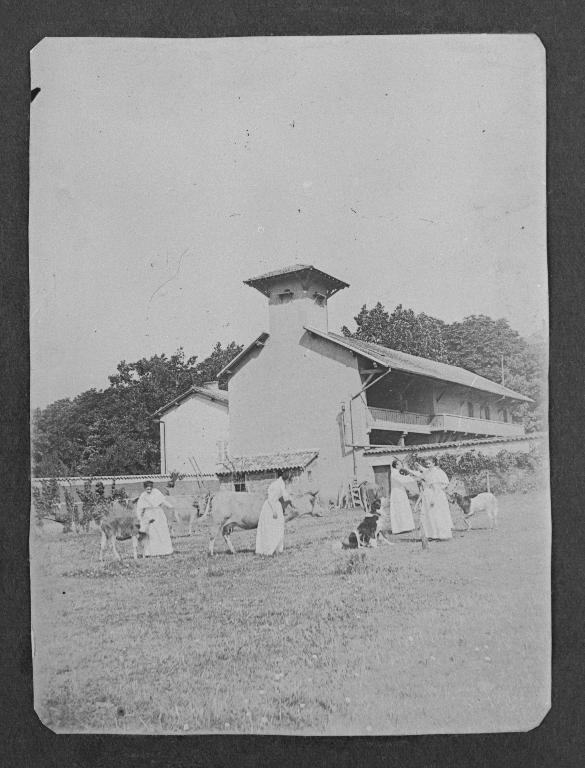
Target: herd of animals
x=226 y=511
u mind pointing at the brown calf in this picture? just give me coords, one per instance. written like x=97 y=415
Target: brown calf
x=121 y=525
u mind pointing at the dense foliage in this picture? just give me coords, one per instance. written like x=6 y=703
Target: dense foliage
x=112 y=431
x=402 y=330
x=477 y=343
x=507 y=471
x=45 y=499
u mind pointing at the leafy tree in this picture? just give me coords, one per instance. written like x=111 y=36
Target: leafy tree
x=402 y=330
x=208 y=369
x=112 y=431
x=477 y=343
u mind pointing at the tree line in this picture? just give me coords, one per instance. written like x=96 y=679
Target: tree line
x=111 y=431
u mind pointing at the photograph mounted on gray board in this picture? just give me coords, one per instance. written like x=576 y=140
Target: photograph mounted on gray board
x=289 y=410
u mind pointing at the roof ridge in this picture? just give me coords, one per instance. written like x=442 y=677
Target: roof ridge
x=421 y=362
x=453 y=443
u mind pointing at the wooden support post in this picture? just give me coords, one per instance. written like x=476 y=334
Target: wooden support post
x=418 y=508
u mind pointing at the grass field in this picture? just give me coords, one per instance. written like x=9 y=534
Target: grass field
x=394 y=640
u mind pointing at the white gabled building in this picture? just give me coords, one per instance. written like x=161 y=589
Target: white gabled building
x=328 y=407
x=301 y=390
x=194 y=430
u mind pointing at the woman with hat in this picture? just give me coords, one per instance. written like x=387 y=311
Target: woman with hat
x=153 y=521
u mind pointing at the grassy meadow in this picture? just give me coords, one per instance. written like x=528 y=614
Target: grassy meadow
x=393 y=640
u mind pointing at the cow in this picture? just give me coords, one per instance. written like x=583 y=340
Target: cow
x=187 y=511
x=121 y=524
x=172 y=517
x=230 y=509
x=471 y=505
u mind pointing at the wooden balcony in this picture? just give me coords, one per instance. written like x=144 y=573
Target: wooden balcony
x=398 y=421
x=425 y=424
x=447 y=422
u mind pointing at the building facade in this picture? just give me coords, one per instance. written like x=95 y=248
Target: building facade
x=194 y=431
x=301 y=389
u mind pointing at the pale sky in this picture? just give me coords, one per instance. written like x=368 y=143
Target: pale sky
x=165 y=172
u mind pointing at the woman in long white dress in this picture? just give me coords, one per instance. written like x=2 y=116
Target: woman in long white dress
x=270 y=532
x=153 y=521
x=401 y=519
x=435 y=513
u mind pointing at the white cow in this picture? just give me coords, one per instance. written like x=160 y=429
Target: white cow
x=231 y=509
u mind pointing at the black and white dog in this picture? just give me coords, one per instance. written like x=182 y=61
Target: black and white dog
x=365 y=535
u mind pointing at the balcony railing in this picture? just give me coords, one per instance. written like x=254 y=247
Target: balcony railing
x=405 y=421
x=424 y=423
x=447 y=422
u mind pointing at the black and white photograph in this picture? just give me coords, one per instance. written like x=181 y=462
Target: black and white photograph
x=289 y=385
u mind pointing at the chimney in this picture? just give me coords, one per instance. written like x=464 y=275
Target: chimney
x=297 y=297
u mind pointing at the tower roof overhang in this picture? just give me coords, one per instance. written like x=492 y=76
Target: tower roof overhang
x=307 y=274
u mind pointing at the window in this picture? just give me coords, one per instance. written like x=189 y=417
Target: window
x=320 y=299
x=240 y=482
x=285 y=296
x=470 y=409
x=505 y=414
x=487 y=412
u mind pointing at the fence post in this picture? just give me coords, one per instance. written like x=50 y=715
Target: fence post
x=487 y=472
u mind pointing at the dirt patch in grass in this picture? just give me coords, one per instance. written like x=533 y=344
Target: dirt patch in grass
x=387 y=640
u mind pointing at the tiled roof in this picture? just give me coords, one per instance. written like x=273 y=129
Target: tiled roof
x=261 y=282
x=282 y=271
x=217 y=395
x=454 y=444
x=402 y=361
x=266 y=462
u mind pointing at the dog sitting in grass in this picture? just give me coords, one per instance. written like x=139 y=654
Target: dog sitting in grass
x=365 y=535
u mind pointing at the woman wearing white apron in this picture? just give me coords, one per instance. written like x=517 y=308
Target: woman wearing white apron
x=270 y=533
x=149 y=508
x=435 y=513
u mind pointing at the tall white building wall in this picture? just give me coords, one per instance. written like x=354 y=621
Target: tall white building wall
x=288 y=396
x=194 y=428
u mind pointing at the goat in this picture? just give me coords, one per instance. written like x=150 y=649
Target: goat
x=471 y=505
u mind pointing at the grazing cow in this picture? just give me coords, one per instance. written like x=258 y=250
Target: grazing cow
x=471 y=505
x=231 y=509
x=121 y=524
